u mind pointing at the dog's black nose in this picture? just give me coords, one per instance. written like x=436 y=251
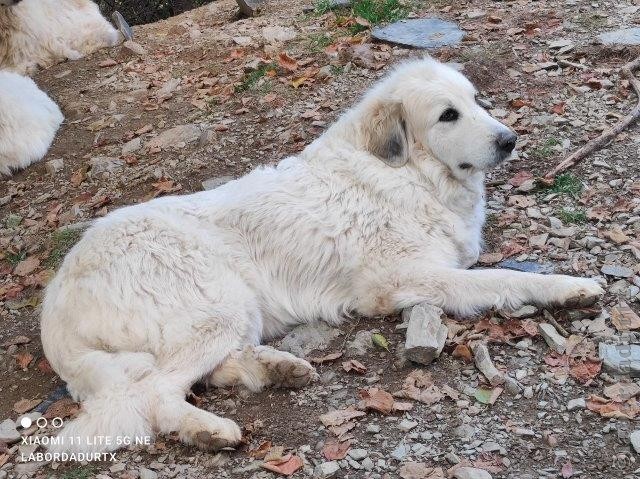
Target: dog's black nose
x=506 y=141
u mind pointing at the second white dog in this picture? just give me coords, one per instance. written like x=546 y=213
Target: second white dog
x=29 y=120
x=383 y=211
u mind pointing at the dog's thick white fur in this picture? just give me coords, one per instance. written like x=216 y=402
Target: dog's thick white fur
x=383 y=211
x=40 y=33
x=29 y=120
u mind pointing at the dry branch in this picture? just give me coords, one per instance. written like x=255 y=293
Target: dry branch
x=608 y=135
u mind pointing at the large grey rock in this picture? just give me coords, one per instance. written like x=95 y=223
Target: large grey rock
x=8 y=432
x=627 y=36
x=176 y=137
x=526 y=266
x=304 y=339
x=250 y=8
x=617 y=270
x=634 y=437
x=552 y=337
x=426 y=334
x=620 y=359
x=420 y=33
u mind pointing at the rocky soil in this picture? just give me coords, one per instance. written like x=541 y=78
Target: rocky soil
x=206 y=96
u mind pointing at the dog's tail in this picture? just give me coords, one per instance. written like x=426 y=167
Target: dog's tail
x=116 y=414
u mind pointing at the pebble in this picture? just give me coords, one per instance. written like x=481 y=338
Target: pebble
x=326 y=470
x=176 y=137
x=357 y=454
x=634 y=437
x=400 y=451
x=55 y=165
x=373 y=429
x=147 y=473
x=471 y=473
x=132 y=146
x=8 y=432
x=578 y=403
x=406 y=425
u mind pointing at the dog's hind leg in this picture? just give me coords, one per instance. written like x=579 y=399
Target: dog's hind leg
x=257 y=367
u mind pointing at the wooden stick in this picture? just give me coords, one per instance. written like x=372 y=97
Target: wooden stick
x=608 y=135
x=547 y=315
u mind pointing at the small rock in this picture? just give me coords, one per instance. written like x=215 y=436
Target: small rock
x=373 y=429
x=634 y=437
x=485 y=365
x=358 y=454
x=578 y=403
x=452 y=458
x=406 y=425
x=147 y=473
x=526 y=266
x=471 y=473
x=304 y=339
x=326 y=470
x=426 y=334
x=526 y=311
x=617 y=271
x=105 y=165
x=176 y=137
x=213 y=183
x=134 y=47
x=131 y=146
x=8 y=432
x=250 y=8
x=53 y=166
x=552 y=337
x=400 y=451
x=627 y=36
x=278 y=34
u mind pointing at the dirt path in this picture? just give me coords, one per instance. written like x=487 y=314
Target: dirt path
x=238 y=104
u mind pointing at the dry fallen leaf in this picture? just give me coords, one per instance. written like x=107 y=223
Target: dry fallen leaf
x=620 y=392
x=419 y=386
x=340 y=416
x=23 y=359
x=286 y=62
x=261 y=451
x=419 y=470
x=624 y=318
x=327 y=358
x=334 y=450
x=26 y=266
x=606 y=408
x=26 y=405
x=463 y=352
x=65 y=407
x=355 y=366
x=585 y=370
x=377 y=400
x=286 y=466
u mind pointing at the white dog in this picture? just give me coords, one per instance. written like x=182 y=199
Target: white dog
x=29 y=120
x=383 y=211
x=41 y=33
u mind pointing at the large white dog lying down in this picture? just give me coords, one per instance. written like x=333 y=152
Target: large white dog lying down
x=383 y=211
x=29 y=120
x=41 y=33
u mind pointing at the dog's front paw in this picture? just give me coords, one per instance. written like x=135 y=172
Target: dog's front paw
x=571 y=292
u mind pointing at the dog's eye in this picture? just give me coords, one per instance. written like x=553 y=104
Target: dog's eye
x=464 y=166
x=449 y=114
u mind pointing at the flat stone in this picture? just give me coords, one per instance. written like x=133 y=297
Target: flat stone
x=53 y=166
x=483 y=362
x=426 y=334
x=400 y=451
x=304 y=339
x=213 y=183
x=122 y=25
x=176 y=137
x=420 y=33
x=8 y=432
x=617 y=271
x=132 y=146
x=552 y=337
x=625 y=36
x=406 y=425
x=250 y=8
x=634 y=437
x=326 y=470
x=357 y=454
x=105 y=164
x=526 y=266
x=578 y=403
x=471 y=473
x=526 y=311
x=620 y=359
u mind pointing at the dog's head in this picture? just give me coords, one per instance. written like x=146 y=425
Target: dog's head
x=8 y=3
x=434 y=106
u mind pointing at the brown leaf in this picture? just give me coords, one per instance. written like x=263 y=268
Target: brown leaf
x=520 y=177
x=616 y=235
x=63 y=408
x=23 y=359
x=621 y=392
x=325 y=359
x=420 y=470
x=339 y=431
x=25 y=405
x=625 y=410
x=355 y=366
x=419 y=386
x=463 y=352
x=376 y=399
x=286 y=466
x=340 y=416
x=559 y=108
x=624 y=318
x=286 y=62
x=261 y=451
x=44 y=366
x=26 y=266
x=586 y=370
x=334 y=450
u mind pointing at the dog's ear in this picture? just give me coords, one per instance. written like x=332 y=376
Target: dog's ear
x=386 y=133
